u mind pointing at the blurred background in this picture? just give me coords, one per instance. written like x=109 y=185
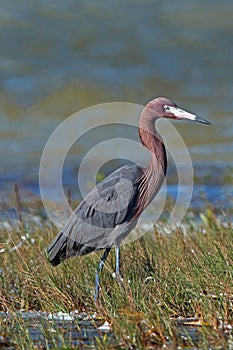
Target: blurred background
x=58 y=57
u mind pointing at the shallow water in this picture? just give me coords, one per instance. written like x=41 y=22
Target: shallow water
x=82 y=330
x=212 y=187
x=57 y=58
x=49 y=330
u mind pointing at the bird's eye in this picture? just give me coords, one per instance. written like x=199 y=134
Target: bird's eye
x=167 y=108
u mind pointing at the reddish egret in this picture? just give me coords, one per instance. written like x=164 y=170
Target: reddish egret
x=92 y=227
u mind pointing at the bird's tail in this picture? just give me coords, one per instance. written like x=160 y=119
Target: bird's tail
x=63 y=247
x=58 y=249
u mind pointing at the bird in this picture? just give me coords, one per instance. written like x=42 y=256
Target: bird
x=110 y=211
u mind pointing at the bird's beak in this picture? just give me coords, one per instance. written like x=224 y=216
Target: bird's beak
x=181 y=114
x=202 y=120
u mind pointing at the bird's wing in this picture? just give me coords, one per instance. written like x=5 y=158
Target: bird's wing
x=110 y=203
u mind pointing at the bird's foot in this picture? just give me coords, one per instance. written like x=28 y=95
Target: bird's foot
x=118 y=276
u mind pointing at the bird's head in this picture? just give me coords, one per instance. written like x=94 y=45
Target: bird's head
x=165 y=108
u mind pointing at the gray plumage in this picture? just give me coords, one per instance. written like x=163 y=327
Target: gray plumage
x=89 y=228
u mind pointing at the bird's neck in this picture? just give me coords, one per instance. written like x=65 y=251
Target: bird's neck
x=154 y=174
x=152 y=140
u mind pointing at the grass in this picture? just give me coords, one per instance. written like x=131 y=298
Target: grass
x=166 y=279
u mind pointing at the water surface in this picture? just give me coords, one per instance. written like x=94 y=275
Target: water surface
x=59 y=57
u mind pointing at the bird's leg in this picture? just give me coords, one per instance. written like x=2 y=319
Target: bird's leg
x=118 y=257
x=118 y=274
x=98 y=270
